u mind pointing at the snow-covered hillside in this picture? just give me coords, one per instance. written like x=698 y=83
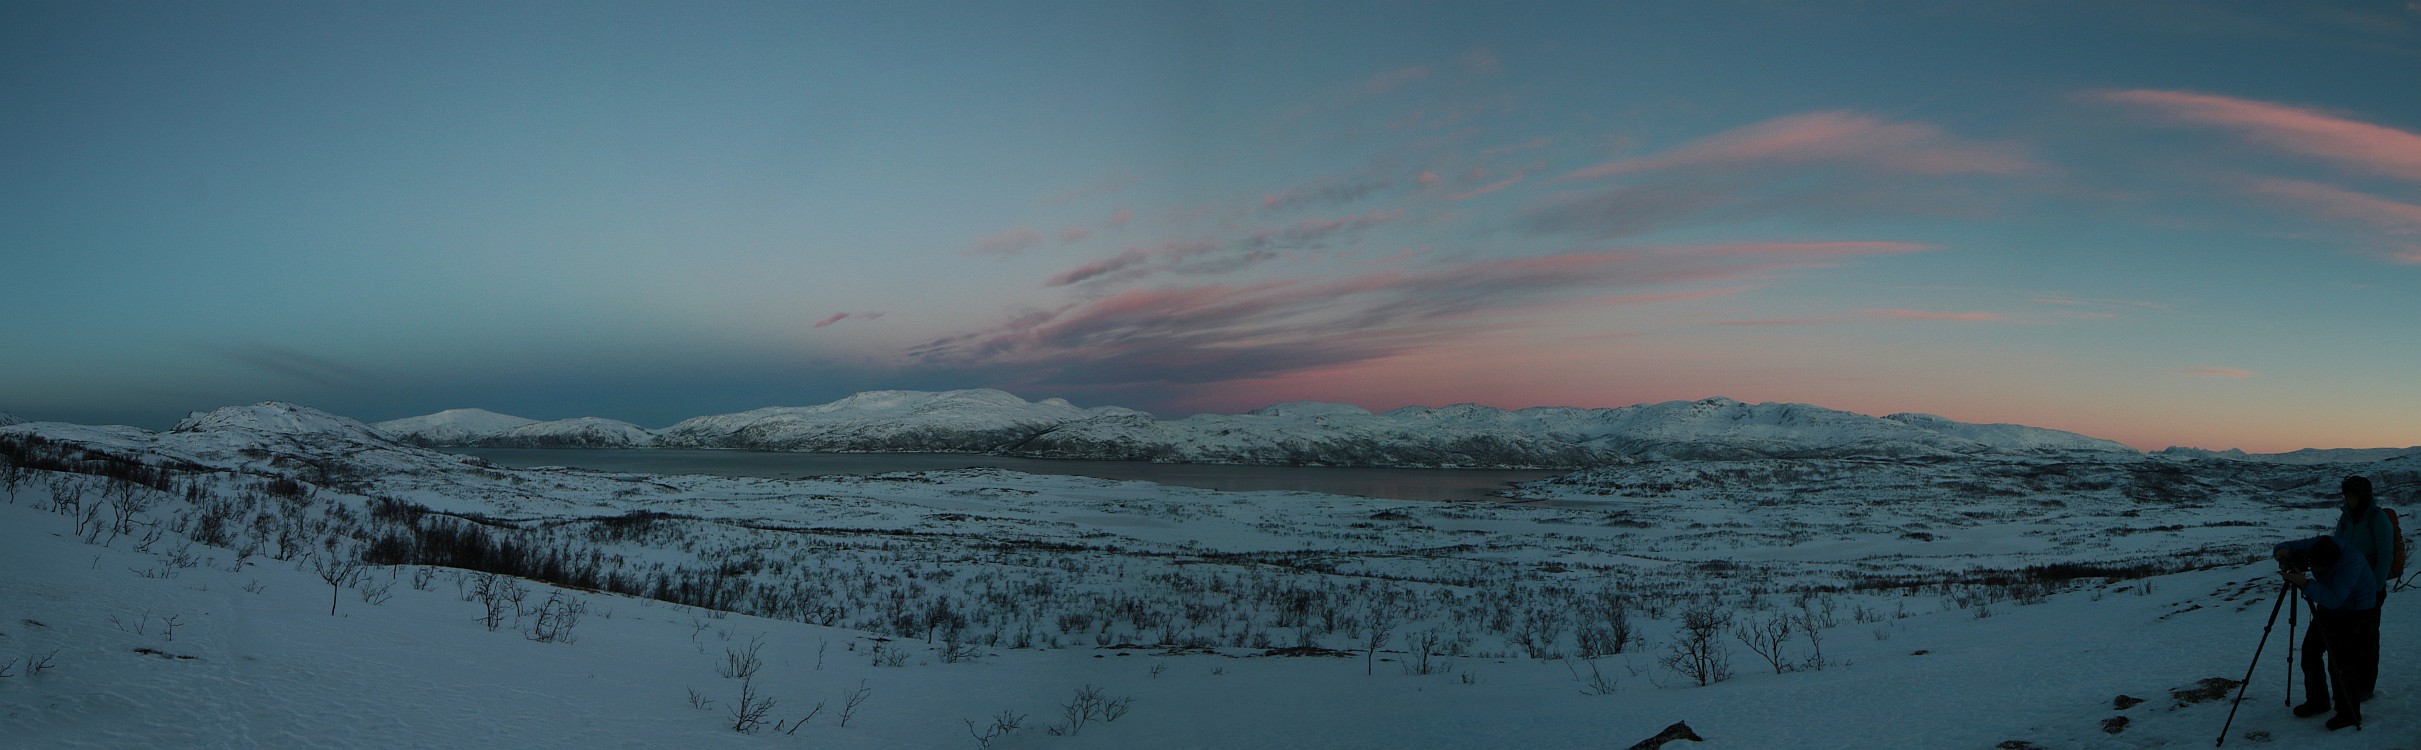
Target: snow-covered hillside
x=7 y=419
x=1318 y=434
x=450 y=427
x=584 y=432
x=487 y=429
x=968 y=421
x=220 y=607
x=2304 y=457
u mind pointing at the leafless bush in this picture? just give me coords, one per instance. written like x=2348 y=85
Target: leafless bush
x=741 y=664
x=494 y=593
x=1697 y=651
x=748 y=714
x=955 y=648
x=555 y=618
x=374 y=591
x=1767 y=637
x=12 y=477
x=34 y=665
x=1088 y=705
x=339 y=568
x=1425 y=646
x=1596 y=683
x=1002 y=724
x=852 y=699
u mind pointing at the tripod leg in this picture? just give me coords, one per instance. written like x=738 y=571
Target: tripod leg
x=2283 y=593
x=2292 y=647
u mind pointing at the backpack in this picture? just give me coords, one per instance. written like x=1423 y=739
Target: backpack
x=2396 y=528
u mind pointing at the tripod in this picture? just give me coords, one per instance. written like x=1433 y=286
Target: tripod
x=2285 y=592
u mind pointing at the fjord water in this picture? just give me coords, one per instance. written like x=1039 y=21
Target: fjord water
x=1451 y=485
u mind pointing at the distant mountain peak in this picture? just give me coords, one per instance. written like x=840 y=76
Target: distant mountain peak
x=276 y=418
x=1310 y=409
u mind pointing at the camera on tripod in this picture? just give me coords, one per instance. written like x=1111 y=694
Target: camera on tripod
x=2294 y=561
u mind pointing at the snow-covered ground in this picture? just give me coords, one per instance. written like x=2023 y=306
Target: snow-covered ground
x=2015 y=610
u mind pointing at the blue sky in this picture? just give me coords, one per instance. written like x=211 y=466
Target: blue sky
x=2162 y=223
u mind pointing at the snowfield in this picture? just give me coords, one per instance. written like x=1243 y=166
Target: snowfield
x=175 y=590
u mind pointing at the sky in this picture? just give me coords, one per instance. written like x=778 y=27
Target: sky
x=2163 y=223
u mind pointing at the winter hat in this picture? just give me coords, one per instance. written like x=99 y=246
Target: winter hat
x=2358 y=488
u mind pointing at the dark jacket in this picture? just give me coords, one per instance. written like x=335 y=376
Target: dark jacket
x=2346 y=586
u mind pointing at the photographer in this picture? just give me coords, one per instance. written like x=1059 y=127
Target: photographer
x=2341 y=587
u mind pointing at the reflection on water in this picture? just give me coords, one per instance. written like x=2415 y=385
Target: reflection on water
x=1404 y=484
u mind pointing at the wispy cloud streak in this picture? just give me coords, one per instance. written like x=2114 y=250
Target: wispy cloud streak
x=1227 y=332
x=2350 y=144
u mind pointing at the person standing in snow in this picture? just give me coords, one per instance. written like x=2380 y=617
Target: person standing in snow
x=2339 y=584
x=2363 y=527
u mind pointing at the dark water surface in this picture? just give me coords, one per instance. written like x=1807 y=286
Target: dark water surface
x=1454 y=485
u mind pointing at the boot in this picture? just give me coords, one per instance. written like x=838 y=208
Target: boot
x=2342 y=721
x=2311 y=708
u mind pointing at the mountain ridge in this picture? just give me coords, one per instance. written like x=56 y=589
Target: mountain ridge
x=1297 y=433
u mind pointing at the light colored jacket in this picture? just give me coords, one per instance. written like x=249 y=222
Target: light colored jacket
x=2367 y=530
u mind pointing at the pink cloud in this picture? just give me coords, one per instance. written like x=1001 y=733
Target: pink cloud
x=1931 y=315
x=1225 y=333
x=1010 y=242
x=1814 y=250
x=1074 y=233
x=836 y=317
x=1119 y=218
x=1485 y=189
x=2219 y=372
x=1529 y=145
x=2350 y=144
x=1394 y=79
x=1129 y=258
x=2392 y=217
x=1830 y=138
x=1322 y=194
x=1774 y=322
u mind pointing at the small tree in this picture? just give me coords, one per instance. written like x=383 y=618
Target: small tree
x=12 y=477
x=1767 y=637
x=1698 y=651
x=339 y=567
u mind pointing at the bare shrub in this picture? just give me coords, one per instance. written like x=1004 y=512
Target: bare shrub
x=1003 y=723
x=1697 y=651
x=338 y=568
x=852 y=699
x=1767 y=637
x=1088 y=705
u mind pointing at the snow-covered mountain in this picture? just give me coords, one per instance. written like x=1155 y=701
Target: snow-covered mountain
x=2307 y=456
x=584 y=432
x=451 y=427
x=966 y=421
x=1301 y=433
x=7 y=419
x=486 y=429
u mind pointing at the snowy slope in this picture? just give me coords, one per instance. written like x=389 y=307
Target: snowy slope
x=1306 y=433
x=2306 y=456
x=451 y=427
x=901 y=421
x=584 y=432
x=7 y=419
x=1048 y=582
